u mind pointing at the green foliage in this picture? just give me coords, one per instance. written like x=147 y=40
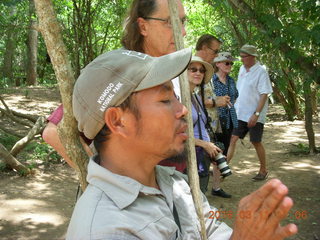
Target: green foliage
x=300 y=148
x=4 y=82
x=7 y=140
x=40 y=151
x=91 y=27
x=3 y=166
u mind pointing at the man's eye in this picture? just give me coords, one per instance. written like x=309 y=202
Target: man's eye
x=166 y=101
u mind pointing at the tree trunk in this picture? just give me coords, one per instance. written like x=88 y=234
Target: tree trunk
x=308 y=116
x=68 y=129
x=7 y=69
x=32 y=48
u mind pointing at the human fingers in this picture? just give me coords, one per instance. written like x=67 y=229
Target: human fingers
x=255 y=200
x=286 y=231
x=221 y=102
x=273 y=203
x=214 y=149
x=251 y=123
x=280 y=212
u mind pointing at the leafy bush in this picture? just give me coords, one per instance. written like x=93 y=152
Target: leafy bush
x=7 y=140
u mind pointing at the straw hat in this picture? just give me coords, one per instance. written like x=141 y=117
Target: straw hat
x=209 y=69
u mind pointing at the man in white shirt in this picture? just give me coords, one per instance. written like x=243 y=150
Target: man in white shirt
x=252 y=104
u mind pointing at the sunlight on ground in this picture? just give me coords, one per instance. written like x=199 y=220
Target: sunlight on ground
x=302 y=165
x=294 y=131
x=17 y=210
x=33 y=106
x=37 y=186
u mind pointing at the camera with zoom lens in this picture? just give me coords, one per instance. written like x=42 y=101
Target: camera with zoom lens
x=222 y=165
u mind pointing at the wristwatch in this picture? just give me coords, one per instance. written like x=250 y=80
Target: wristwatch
x=257 y=114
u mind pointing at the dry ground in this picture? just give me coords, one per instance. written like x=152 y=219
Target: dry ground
x=39 y=207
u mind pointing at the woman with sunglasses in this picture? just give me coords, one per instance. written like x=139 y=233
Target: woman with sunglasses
x=224 y=85
x=200 y=73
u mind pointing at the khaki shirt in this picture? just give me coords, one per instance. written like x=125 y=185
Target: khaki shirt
x=118 y=207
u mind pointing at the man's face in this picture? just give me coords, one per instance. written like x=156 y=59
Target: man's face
x=247 y=59
x=160 y=130
x=211 y=51
x=158 y=35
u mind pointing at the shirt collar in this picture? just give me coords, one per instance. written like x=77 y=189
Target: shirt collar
x=123 y=190
x=254 y=67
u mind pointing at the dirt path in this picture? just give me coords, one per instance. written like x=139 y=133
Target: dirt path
x=39 y=207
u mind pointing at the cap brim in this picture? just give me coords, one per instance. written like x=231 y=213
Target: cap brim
x=244 y=51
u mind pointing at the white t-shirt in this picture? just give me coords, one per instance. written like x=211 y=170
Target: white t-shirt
x=251 y=85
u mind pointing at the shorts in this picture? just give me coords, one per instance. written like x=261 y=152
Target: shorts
x=255 y=132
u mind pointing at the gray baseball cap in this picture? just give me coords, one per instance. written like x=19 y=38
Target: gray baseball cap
x=110 y=79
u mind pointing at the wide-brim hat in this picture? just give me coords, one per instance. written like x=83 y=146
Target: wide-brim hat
x=209 y=69
x=249 y=49
x=113 y=76
x=224 y=57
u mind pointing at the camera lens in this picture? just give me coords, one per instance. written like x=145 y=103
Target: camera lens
x=222 y=165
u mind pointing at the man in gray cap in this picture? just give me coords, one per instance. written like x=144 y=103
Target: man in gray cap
x=251 y=106
x=147 y=29
x=125 y=101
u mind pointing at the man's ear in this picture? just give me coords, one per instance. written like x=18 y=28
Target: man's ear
x=142 y=24
x=113 y=118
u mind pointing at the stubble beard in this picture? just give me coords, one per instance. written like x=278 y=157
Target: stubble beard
x=178 y=157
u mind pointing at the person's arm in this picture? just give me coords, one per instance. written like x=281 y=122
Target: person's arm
x=209 y=147
x=221 y=101
x=254 y=118
x=259 y=214
x=50 y=136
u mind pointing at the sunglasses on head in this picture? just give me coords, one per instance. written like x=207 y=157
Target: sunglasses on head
x=228 y=63
x=193 y=70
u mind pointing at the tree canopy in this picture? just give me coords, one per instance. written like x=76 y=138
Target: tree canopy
x=286 y=32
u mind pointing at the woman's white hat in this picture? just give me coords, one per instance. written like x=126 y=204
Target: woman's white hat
x=224 y=57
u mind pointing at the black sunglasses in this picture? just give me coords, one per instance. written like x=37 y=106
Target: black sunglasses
x=193 y=70
x=228 y=63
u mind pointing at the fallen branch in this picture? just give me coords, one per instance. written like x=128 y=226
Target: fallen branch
x=9 y=114
x=36 y=129
x=10 y=132
x=4 y=104
x=12 y=162
x=32 y=118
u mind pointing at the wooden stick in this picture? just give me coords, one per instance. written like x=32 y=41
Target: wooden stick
x=185 y=95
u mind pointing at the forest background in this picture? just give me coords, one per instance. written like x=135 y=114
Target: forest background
x=286 y=32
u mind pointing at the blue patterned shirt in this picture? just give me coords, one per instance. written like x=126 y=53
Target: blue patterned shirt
x=229 y=89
